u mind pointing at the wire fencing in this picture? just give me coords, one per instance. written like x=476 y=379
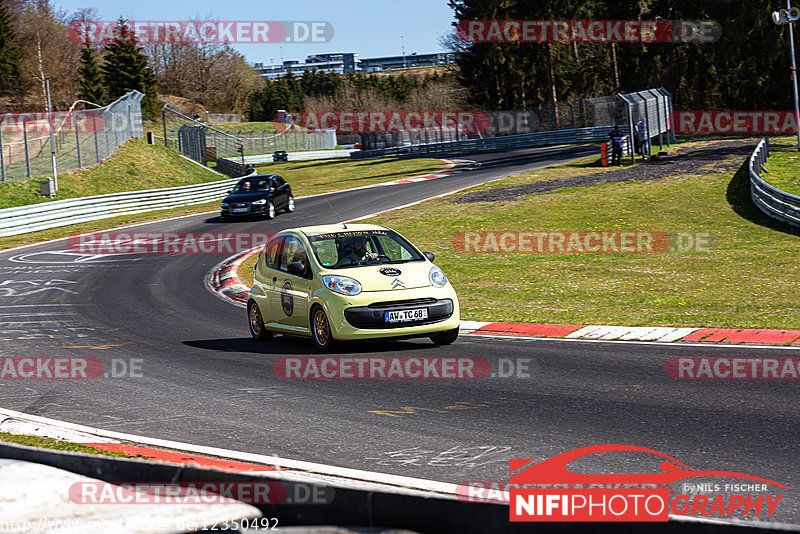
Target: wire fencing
x=80 y=139
x=645 y=115
x=182 y=133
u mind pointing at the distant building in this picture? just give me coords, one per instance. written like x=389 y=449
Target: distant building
x=338 y=63
x=377 y=64
x=342 y=63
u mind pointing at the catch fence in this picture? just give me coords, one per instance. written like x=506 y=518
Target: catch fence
x=81 y=138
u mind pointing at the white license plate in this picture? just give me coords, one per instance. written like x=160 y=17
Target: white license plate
x=240 y=210
x=404 y=316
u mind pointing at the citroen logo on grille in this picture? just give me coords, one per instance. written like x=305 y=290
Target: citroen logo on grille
x=397 y=283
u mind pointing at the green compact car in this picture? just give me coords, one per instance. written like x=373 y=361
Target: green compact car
x=345 y=282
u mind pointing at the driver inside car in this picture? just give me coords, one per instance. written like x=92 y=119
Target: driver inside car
x=358 y=251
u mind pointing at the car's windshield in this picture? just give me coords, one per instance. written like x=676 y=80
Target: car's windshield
x=252 y=185
x=348 y=248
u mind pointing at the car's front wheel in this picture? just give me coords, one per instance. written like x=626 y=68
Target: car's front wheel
x=257 y=329
x=445 y=338
x=270 y=211
x=321 y=330
x=290 y=204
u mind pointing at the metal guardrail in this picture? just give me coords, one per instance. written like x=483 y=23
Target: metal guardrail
x=301 y=156
x=46 y=215
x=598 y=134
x=769 y=199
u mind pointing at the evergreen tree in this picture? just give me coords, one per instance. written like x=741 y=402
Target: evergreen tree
x=10 y=57
x=92 y=86
x=126 y=69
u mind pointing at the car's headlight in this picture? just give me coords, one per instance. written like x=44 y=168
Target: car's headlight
x=341 y=284
x=259 y=202
x=224 y=205
x=437 y=277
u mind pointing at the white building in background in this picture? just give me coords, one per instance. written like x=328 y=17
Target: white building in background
x=339 y=63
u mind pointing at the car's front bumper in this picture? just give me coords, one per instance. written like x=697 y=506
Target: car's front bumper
x=363 y=316
x=253 y=211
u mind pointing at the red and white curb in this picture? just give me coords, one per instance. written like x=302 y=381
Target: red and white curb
x=223 y=281
x=733 y=336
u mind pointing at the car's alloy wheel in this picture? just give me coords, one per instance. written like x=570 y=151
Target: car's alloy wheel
x=256 y=322
x=321 y=330
x=270 y=210
x=290 y=204
x=446 y=337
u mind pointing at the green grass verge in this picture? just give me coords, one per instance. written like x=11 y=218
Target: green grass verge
x=311 y=177
x=783 y=165
x=247 y=126
x=245 y=270
x=54 y=444
x=750 y=279
x=135 y=166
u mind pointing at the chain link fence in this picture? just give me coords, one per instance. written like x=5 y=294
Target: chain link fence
x=81 y=138
x=290 y=139
x=647 y=114
x=236 y=143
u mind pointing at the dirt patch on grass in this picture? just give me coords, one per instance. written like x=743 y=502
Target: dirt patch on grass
x=705 y=158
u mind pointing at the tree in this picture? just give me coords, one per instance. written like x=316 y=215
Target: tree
x=10 y=56
x=92 y=83
x=126 y=69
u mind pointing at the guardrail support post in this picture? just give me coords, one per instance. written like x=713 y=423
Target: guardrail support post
x=25 y=142
x=77 y=141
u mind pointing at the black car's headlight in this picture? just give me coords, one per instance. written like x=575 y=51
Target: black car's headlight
x=223 y=205
x=259 y=202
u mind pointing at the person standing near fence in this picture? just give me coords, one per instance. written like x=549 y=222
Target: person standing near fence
x=642 y=139
x=617 y=139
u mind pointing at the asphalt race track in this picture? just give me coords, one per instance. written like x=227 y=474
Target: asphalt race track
x=203 y=380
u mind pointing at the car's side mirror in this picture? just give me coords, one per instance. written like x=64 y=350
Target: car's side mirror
x=296 y=268
x=429 y=255
x=230 y=191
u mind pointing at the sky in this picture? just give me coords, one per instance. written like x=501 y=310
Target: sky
x=368 y=28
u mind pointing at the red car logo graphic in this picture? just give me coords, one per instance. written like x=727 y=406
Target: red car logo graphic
x=554 y=470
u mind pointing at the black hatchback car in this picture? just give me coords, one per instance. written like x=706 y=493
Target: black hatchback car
x=280 y=155
x=258 y=196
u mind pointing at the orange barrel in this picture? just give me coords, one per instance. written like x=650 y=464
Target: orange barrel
x=604 y=154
